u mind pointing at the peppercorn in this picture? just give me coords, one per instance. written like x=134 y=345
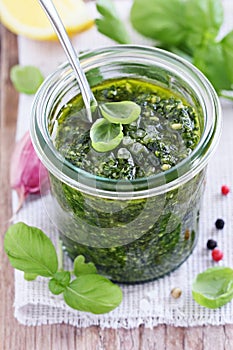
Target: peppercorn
x=211 y=244
x=176 y=292
x=219 y=224
x=225 y=190
x=217 y=254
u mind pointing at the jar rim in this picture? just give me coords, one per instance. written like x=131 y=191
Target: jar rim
x=141 y=187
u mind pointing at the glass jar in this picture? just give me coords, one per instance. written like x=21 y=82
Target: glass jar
x=139 y=230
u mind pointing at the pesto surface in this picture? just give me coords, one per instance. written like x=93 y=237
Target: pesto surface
x=165 y=133
x=133 y=240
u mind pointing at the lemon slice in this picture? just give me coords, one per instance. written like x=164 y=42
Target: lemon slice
x=26 y=17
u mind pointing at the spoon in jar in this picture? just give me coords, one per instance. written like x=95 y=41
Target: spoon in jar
x=115 y=112
x=87 y=95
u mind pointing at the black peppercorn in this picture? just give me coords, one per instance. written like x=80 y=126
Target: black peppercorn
x=219 y=224
x=211 y=244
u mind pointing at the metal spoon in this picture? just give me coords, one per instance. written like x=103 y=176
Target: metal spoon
x=88 y=97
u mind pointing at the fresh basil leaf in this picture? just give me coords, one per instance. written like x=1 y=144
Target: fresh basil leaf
x=110 y=23
x=213 y=288
x=59 y=282
x=209 y=58
x=82 y=268
x=26 y=79
x=93 y=293
x=227 y=47
x=105 y=136
x=184 y=24
x=30 y=276
x=30 y=250
x=160 y=20
x=123 y=112
x=203 y=20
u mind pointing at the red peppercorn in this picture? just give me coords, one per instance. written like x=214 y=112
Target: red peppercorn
x=217 y=254
x=225 y=190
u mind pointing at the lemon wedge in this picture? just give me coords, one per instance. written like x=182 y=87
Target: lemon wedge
x=26 y=17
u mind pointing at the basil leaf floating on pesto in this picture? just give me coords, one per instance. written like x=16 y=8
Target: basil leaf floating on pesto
x=123 y=112
x=105 y=136
x=213 y=288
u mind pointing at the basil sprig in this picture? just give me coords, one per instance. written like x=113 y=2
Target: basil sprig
x=32 y=252
x=194 y=35
x=106 y=133
x=123 y=112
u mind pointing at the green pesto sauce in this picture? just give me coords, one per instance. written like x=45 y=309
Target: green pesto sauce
x=133 y=240
x=165 y=133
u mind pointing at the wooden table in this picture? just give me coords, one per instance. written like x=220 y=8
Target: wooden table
x=14 y=336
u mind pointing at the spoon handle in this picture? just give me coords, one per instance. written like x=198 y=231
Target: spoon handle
x=88 y=97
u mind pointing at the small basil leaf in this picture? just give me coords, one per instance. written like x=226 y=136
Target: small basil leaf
x=59 y=282
x=124 y=112
x=82 y=268
x=213 y=288
x=26 y=79
x=93 y=293
x=110 y=23
x=105 y=136
x=30 y=276
x=30 y=250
